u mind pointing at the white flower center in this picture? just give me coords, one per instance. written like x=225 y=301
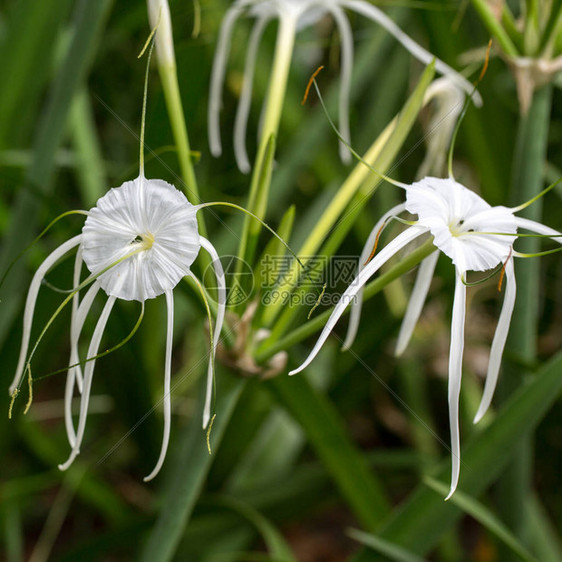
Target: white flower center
x=475 y=235
x=145 y=234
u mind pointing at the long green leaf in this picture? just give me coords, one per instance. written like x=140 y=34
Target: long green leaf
x=87 y=27
x=544 y=535
x=514 y=488
x=358 y=485
x=495 y=27
x=276 y=544
x=484 y=516
x=389 y=550
x=186 y=481
x=89 y=165
x=26 y=54
x=425 y=517
x=90 y=488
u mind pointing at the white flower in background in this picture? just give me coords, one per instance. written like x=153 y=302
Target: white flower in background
x=448 y=100
x=476 y=237
x=293 y=16
x=138 y=242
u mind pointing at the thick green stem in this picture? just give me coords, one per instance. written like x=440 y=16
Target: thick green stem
x=528 y=173
x=257 y=200
x=169 y=78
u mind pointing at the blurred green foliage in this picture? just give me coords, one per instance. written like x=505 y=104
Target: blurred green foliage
x=295 y=462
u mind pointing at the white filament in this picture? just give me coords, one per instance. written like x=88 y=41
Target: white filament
x=167 y=399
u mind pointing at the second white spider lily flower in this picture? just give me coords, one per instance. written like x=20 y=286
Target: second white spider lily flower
x=294 y=15
x=138 y=243
x=475 y=237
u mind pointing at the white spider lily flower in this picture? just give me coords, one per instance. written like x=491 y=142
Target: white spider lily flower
x=476 y=237
x=138 y=242
x=294 y=15
x=159 y=17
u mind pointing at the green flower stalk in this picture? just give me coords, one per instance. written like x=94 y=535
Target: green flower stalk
x=160 y=20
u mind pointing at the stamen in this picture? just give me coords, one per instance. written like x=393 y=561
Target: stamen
x=502 y=274
x=309 y=85
x=209 y=433
x=12 y=401
x=30 y=385
x=374 y=251
x=152 y=33
x=318 y=301
x=486 y=61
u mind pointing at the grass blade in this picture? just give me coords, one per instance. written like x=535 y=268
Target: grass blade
x=188 y=475
x=276 y=544
x=389 y=550
x=425 y=517
x=87 y=27
x=358 y=485
x=484 y=516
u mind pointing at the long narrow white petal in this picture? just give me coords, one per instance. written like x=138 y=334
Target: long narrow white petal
x=417 y=300
x=245 y=102
x=498 y=343
x=221 y=309
x=75 y=303
x=76 y=329
x=68 y=393
x=167 y=387
x=217 y=78
x=355 y=314
x=372 y=267
x=346 y=37
x=49 y=262
x=74 y=374
x=539 y=228
x=455 y=373
x=88 y=375
x=372 y=12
